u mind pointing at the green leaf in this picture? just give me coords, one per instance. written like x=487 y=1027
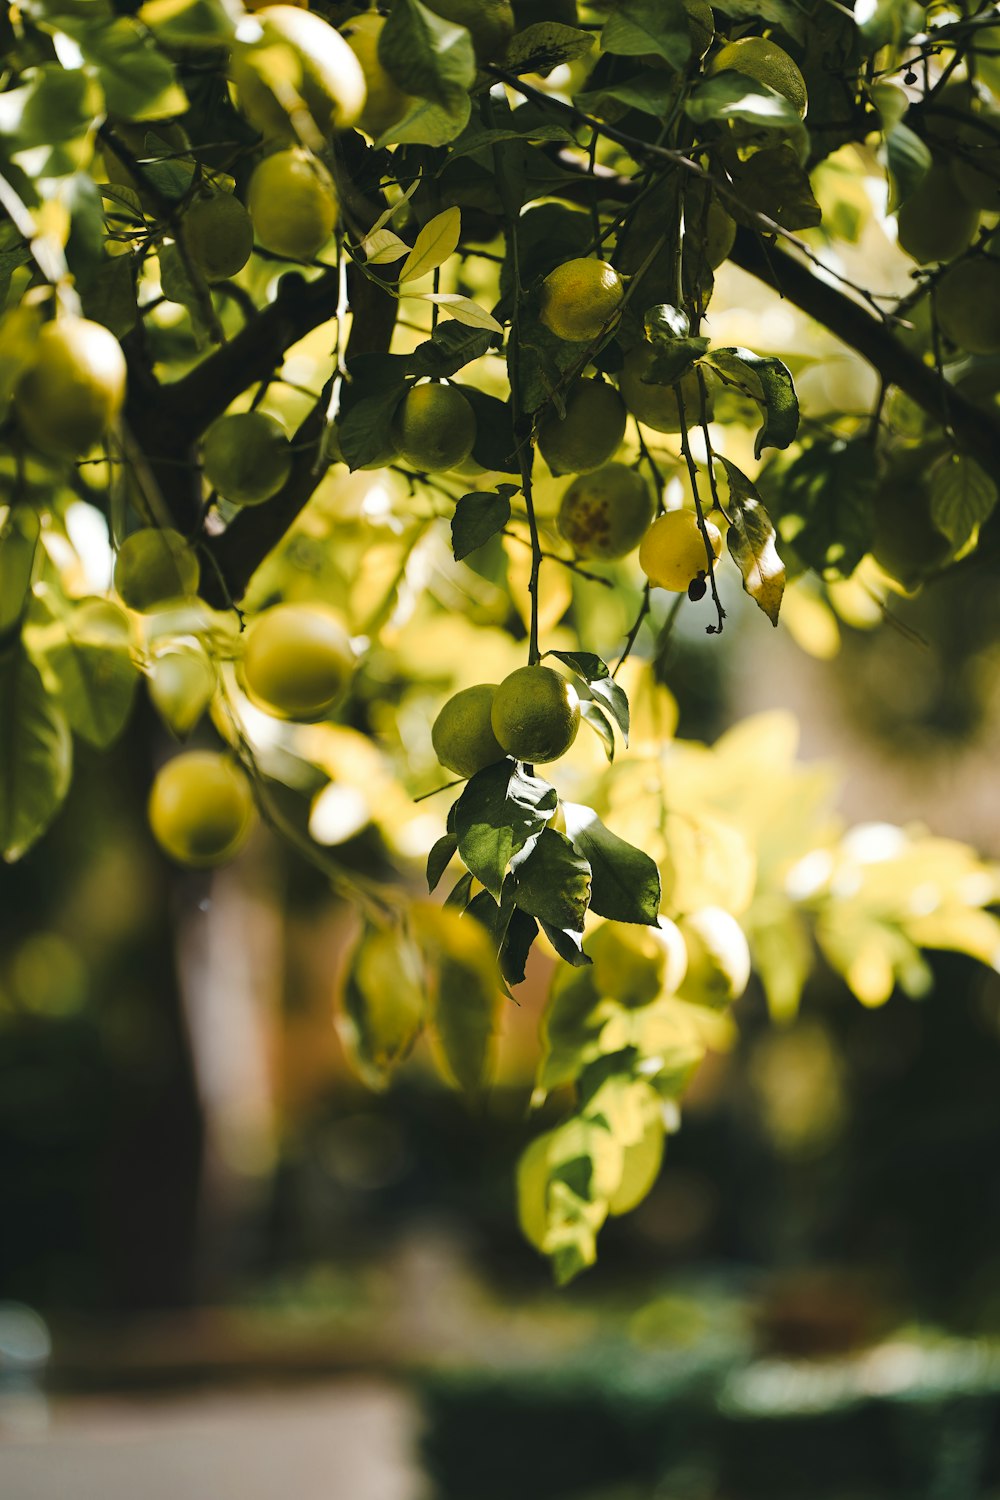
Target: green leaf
x=363 y=428
x=601 y=684
x=384 y=1002
x=734 y=96
x=769 y=383
x=451 y=347
x=825 y=505
x=963 y=496
x=478 y=516
x=908 y=160
x=672 y=360
x=568 y=943
x=56 y=109
x=36 y=753
x=189 y=290
x=552 y=881
x=139 y=82
x=439 y=859
x=625 y=883
x=637 y=28
x=108 y=295
x=521 y=933
x=651 y=92
x=774 y=182
x=665 y=323
x=751 y=541
x=575 y=1017
x=87 y=657
x=189 y=23
x=494 y=447
x=19 y=535
x=428 y=124
x=427 y=56
x=500 y=809
x=543 y=46
x=598 y=721
x=784 y=13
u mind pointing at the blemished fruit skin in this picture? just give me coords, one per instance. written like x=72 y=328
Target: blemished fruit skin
x=590 y=432
x=293 y=209
x=218 y=236
x=765 y=62
x=656 y=406
x=936 y=222
x=718 y=966
x=246 y=457
x=967 y=303
x=490 y=23
x=385 y=101
x=580 y=298
x=462 y=733
x=201 y=808
x=535 y=714
x=434 y=428
x=605 y=515
x=672 y=552
x=634 y=965
x=153 y=565
x=297 y=661
x=313 y=60
x=72 y=388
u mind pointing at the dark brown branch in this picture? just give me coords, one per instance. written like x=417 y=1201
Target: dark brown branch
x=976 y=431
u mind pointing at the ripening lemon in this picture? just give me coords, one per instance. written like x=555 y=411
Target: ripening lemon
x=434 y=428
x=490 y=23
x=605 y=514
x=462 y=733
x=718 y=957
x=672 y=553
x=153 y=565
x=936 y=222
x=247 y=457
x=536 y=714
x=589 y=433
x=580 y=298
x=292 y=206
x=217 y=233
x=201 y=808
x=634 y=965
x=72 y=388
x=656 y=405
x=967 y=302
x=766 y=63
x=385 y=101
x=297 y=661
x=287 y=60
x=641 y=1163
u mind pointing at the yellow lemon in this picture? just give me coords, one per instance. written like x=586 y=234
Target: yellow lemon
x=201 y=808
x=580 y=298
x=292 y=206
x=672 y=552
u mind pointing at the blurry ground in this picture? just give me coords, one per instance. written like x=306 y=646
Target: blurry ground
x=350 y=1440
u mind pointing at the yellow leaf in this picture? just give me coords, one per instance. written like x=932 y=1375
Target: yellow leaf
x=464 y=310
x=382 y=246
x=436 y=241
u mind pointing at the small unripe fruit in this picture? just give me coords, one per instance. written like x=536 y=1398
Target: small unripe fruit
x=201 y=808
x=297 y=661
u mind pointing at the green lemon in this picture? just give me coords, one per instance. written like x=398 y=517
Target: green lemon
x=967 y=302
x=246 y=457
x=462 y=733
x=201 y=808
x=293 y=207
x=718 y=957
x=286 y=58
x=217 y=233
x=536 y=714
x=297 y=661
x=936 y=222
x=634 y=964
x=154 y=565
x=580 y=298
x=656 y=405
x=434 y=428
x=605 y=514
x=72 y=388
x=765 y=62
x=588 y=434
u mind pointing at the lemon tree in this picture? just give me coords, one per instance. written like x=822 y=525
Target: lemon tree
x=388 y=393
